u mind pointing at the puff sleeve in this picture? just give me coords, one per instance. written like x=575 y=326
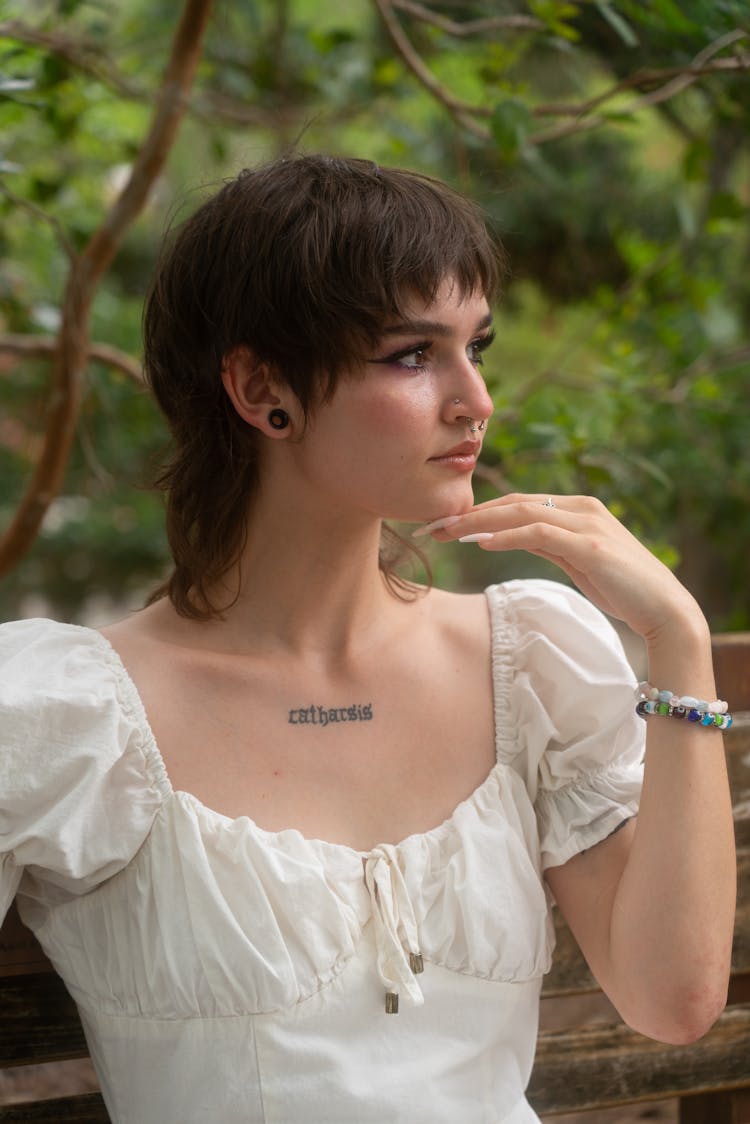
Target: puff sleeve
x=79 y=788
x=566 y=714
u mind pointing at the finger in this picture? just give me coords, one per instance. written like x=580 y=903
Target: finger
x=586 y=551
x=505 y=517
x=572 y=503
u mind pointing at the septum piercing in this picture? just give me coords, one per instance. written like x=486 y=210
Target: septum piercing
x=472 y=424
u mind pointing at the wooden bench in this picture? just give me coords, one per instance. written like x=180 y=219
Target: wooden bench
x=581 y=1065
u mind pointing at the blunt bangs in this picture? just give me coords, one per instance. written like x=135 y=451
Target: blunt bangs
x=355 y=243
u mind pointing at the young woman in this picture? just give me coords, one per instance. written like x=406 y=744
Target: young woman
x=290 y=833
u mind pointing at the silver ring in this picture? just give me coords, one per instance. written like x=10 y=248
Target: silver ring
x=549 y=502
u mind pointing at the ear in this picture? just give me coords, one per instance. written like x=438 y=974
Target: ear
x=253 y=390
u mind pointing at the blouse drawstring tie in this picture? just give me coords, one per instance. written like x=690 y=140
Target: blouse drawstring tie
x=399 y=958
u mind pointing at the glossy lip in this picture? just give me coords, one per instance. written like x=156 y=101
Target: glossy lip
x=466 y=452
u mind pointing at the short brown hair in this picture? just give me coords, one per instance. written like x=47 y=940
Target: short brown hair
x=302 y=260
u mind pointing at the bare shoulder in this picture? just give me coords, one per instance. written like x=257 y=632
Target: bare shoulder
x=149 y=640
x=156 y=623
x=465 y=614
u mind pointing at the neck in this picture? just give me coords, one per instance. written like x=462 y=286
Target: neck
x=307 y=582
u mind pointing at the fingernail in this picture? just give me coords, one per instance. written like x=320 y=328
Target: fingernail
x=436 y=525
x=482 y=536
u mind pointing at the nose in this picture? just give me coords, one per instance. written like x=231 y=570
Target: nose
x=469 y=395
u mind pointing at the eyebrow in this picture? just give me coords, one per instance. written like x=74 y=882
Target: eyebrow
x=429 y=327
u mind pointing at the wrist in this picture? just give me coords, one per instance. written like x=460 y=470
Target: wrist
x=679 y=654
x=684 y=627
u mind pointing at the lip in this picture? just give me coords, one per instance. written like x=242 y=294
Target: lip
x=466 y=451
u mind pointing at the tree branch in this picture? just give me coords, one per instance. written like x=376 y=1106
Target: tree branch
x=84 y=55
x=463 y=112
x=88 y=58
x=697 y=67
x=675 y=80
x=87 y=270
x=45 y=347
x=468 y=115
x=583 y=122
x=470 y=27
x=38 y=213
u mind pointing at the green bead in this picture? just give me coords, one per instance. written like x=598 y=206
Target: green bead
x=662 y=708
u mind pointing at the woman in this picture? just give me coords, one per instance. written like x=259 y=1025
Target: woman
x=324 y=896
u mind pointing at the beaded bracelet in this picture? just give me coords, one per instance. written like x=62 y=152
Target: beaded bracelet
x=653 y=701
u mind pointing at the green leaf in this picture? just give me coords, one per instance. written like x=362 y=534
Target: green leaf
x=696 y=159
x=724 y=205
x=617 y=23
x=510 y=123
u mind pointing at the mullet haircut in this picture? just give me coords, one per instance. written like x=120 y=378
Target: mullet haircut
x=303 y=261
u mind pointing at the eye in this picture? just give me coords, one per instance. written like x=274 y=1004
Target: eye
x=415 y=360
x=408 y=358
x=475 y=350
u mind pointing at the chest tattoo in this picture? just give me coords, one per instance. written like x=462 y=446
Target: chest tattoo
x=315 y=715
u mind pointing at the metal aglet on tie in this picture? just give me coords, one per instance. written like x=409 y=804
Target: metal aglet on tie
x=416 y=963
x=391 y=1002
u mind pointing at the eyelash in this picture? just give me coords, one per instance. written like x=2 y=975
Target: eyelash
x=479 y=345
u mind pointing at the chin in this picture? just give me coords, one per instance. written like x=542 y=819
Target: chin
x=434 y=509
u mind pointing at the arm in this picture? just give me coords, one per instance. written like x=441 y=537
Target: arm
x=652 y=907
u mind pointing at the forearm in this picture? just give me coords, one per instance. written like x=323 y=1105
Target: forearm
x=673 y=909
x=652 y=907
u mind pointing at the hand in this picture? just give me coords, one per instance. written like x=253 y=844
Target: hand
x=607 y=563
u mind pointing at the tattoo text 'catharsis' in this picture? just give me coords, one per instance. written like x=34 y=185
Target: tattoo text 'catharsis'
x=315 y=715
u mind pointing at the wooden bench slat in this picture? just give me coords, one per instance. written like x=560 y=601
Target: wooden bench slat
x=605 y=1065
x=88 y=1108
x=737 y=743
x=731 y=656
x=39 y=1021
x=20 y=952
x=716 y=1108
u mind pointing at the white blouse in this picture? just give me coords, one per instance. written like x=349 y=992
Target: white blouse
x=228 y=973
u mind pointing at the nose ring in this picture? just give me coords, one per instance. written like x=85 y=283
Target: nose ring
x=471 y=423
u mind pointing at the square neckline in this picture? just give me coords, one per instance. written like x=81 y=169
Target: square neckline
x=157 y=765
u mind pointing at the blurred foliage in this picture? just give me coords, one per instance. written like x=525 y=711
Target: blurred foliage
x=622 y=366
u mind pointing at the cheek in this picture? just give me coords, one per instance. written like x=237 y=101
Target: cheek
x=403 y=411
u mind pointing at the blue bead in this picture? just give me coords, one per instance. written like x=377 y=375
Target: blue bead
x=707 y=720
x=694 y=716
